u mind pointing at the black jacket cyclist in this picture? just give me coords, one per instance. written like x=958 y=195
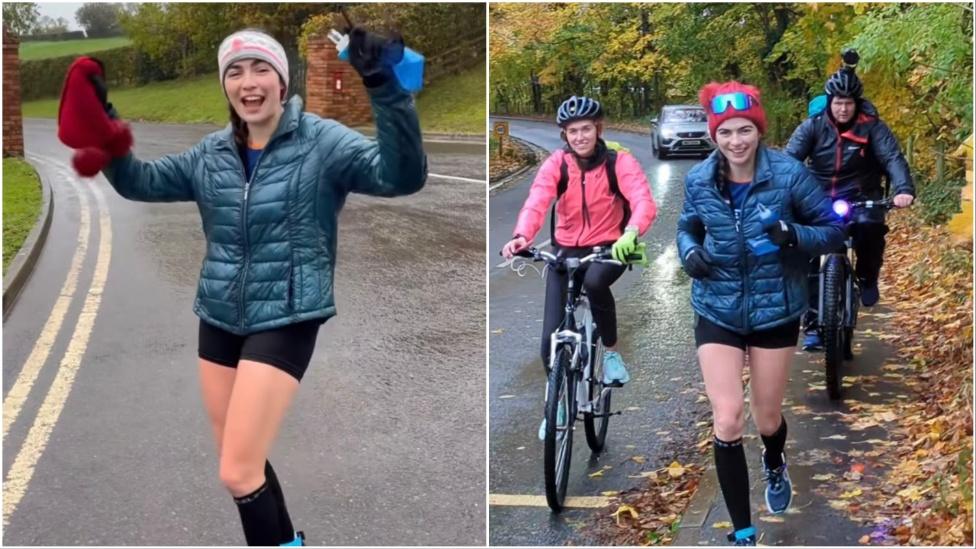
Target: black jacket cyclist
x=849 y=148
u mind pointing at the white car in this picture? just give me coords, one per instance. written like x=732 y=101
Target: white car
x=681 y=129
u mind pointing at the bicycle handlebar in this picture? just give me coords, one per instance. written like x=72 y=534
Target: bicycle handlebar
x=600 y=255
x=885 y=203
x=845 y=209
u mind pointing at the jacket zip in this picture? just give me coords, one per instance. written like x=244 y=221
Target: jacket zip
x=585 y=213
x=247 y=246
x=744 y=256
x=838 y=152
x=742 y=247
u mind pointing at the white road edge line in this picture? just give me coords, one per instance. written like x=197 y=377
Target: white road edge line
x=22 y=470
x=456 y=178
x=18 y=394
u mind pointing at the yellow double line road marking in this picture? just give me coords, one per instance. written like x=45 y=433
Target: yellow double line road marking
x=42 y=348
x=22 y=471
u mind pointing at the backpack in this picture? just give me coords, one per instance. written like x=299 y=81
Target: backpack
x=564 y=182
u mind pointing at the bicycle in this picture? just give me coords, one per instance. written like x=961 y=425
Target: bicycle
x=840 y=294
x=575 y=381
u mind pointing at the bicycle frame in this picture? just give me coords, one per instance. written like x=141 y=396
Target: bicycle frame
x=568 y=334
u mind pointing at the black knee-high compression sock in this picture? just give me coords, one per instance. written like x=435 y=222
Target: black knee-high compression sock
x=733 y=477
x=774 y=445
x=259 y=517
x=284 y=521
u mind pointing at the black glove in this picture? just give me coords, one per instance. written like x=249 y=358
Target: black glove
x=374 y=56
x=697 y=263
x=782 y=234
x=101 y=91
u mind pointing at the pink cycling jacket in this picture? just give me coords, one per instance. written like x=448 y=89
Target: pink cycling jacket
x=588 y=213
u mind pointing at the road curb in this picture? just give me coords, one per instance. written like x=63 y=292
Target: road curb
x=507 y=180
x=23 y=263
x=696 y=515
x=460 y=143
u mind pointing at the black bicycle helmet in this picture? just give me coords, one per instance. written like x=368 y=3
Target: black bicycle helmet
x=844 y=83
x=578 y=108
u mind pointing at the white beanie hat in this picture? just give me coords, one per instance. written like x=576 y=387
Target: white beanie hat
x=253 y=44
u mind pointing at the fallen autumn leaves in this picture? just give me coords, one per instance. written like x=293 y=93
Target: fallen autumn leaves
x=926 y=495
x=649 y=516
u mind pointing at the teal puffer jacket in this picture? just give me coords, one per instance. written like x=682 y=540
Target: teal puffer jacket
x=271 y=242
x=745 y=292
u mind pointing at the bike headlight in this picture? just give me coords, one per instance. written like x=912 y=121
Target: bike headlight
x=842 y=208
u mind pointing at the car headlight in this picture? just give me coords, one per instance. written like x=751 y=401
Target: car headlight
x=668 y=133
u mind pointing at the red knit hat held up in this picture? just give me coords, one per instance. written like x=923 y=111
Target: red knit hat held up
x=753 y=111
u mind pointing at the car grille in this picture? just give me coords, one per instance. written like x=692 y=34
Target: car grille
x=688 y=135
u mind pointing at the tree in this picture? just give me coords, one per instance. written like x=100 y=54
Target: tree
x=99 y=19
x=47 y=25
x=20 y=18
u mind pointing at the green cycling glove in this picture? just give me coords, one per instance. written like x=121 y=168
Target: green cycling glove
x=624 y=246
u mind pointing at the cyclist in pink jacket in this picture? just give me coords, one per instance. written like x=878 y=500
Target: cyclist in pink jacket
x=602 y=199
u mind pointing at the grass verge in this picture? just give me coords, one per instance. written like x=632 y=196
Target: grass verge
x=30 y=51
x=21 y=205
x=455 y=104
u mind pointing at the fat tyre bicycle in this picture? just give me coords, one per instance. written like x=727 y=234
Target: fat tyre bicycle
x=840 y=296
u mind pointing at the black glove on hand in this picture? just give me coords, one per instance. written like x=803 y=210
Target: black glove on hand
x=101 y=91
x=697 y=263
x=782 y=234
x=374 y=56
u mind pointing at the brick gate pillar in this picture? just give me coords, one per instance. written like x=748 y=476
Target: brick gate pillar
x=333 y=89
x=13 y=124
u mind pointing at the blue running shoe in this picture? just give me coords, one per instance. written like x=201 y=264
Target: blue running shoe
x=299 y=540
x=560 y=419
x=811 y=341
x=614 y=371
x=779 y=489
x=869 y=293
x=745 y=537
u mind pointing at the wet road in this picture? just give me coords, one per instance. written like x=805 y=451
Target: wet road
x=660 y=404
x=386 y=436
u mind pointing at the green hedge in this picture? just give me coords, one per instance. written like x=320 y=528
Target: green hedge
x=124 y=67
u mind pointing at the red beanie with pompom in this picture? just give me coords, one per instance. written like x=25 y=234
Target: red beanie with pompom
x=754 y=112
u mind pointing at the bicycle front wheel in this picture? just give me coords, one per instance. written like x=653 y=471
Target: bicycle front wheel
x=560 y=394
x=833 y=324
x=597 y=421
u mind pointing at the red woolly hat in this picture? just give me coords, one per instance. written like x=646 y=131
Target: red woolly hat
x=83 y=123
x=751 y=110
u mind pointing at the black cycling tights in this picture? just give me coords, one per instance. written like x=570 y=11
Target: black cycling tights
x=263 y=513
x=596 y=278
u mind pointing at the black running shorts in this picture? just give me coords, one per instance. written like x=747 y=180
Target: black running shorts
x=777 y=337
x=288 y=348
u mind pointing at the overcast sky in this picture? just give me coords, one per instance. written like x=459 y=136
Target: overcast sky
x=65 y=9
